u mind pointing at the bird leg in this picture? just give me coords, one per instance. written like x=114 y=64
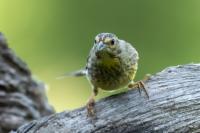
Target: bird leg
x=91 y=103
x=140 y=85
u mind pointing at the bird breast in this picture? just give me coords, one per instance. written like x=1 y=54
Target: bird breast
x=108 y=77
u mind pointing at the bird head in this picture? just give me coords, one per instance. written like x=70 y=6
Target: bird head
x=106 y=45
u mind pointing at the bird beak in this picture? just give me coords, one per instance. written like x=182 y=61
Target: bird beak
x=101 y=46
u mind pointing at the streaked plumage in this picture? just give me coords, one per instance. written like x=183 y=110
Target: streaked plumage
x=114 y=69
x=111 y=64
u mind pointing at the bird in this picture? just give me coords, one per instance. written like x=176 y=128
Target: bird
x=112 y=64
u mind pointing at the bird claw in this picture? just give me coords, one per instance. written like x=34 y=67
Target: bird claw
x=140 y=85
x=90 y=108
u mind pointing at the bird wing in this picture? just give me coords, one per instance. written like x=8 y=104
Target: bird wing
x=77 y=73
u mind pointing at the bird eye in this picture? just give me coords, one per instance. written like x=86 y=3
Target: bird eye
x=112 y=42
x=95 y=41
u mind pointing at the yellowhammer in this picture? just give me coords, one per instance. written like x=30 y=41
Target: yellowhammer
x=112 y=64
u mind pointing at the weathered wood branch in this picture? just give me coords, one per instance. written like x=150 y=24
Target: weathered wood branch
x=174 y=106
x=22 y=98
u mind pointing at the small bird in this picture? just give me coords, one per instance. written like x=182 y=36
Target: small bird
x=112 y=64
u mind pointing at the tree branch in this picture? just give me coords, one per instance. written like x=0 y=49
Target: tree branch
x=174 y=106
x=22 y=98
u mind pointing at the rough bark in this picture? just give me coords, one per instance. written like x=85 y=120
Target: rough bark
x=22 y=98
x=173 y=106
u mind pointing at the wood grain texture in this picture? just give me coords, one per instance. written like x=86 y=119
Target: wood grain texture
x=174 y=106
x=22 y=98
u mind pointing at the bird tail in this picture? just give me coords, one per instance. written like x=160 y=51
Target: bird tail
x=77 y=73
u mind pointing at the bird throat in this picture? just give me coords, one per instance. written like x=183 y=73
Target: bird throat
x=107 y=60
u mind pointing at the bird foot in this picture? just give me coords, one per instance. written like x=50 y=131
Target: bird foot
x=90 y=107
x=140 y=85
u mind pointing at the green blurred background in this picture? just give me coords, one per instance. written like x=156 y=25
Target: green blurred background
x=55 y=36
